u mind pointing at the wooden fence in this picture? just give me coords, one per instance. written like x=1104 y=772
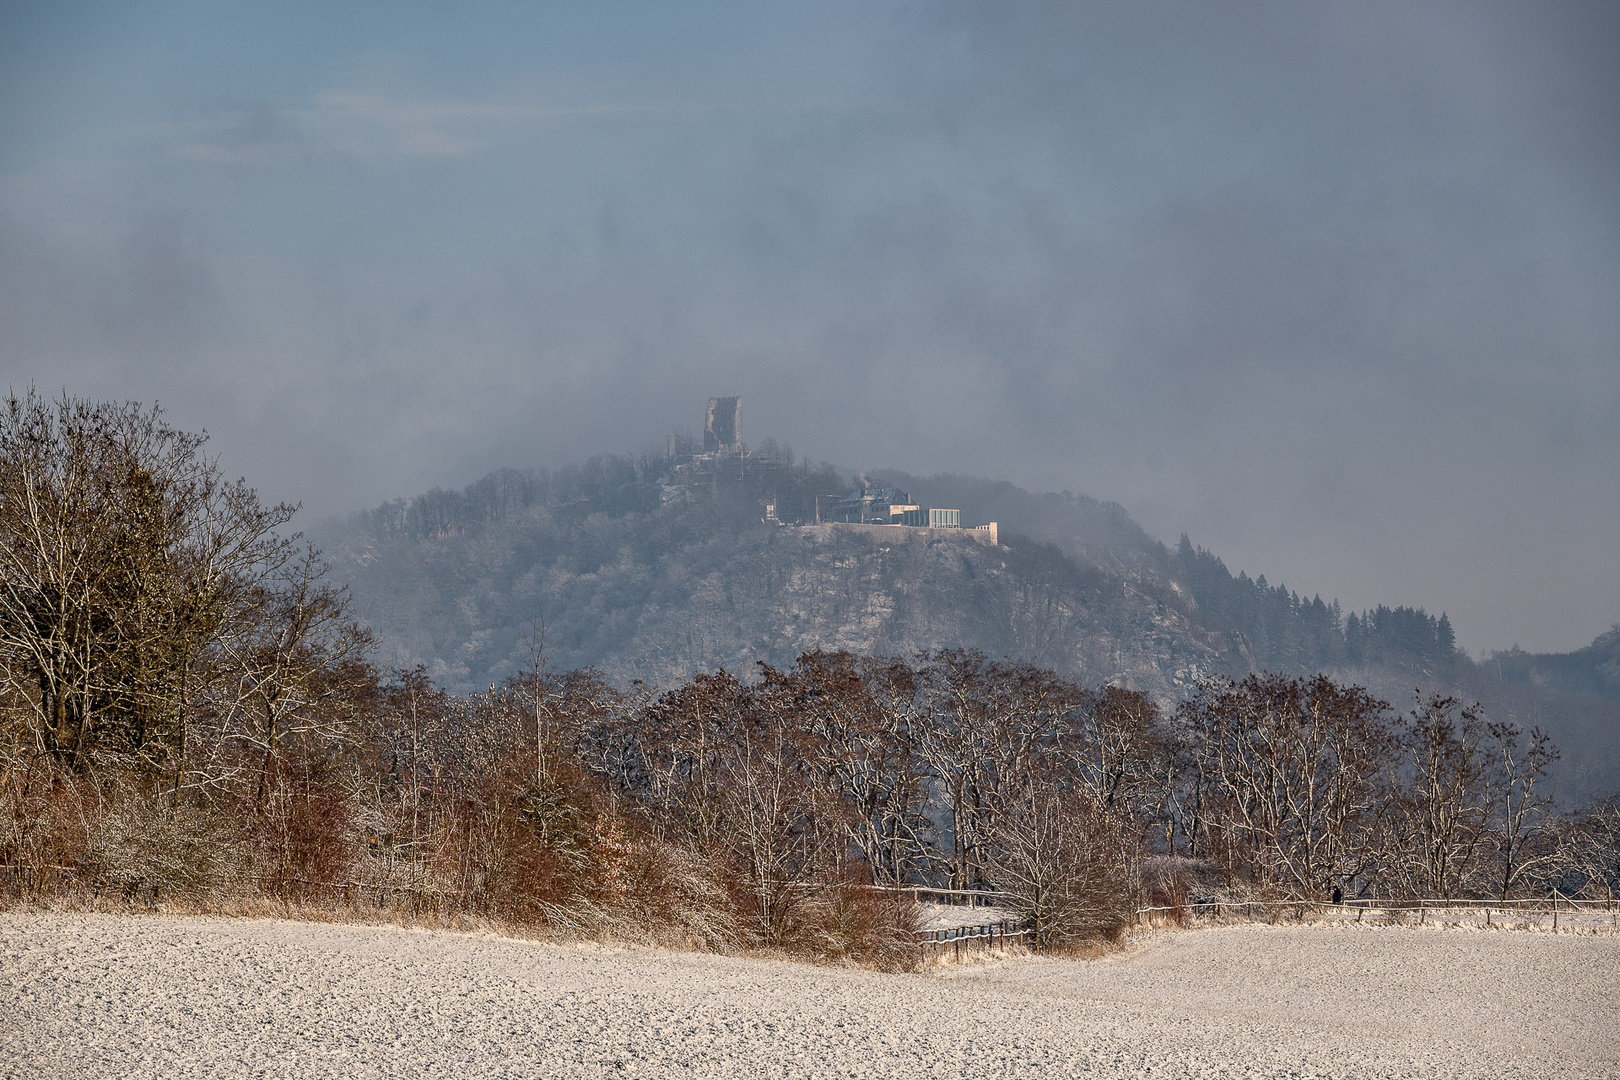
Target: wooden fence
x=962 y=940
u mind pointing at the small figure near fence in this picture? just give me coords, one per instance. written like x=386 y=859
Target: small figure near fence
x=1338 y=895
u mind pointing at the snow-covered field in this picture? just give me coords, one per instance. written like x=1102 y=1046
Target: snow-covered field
x=117 y=996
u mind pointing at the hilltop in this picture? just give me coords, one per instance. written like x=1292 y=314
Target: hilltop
x=652 y=567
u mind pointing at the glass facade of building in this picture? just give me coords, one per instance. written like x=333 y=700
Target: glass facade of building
x=944 y=519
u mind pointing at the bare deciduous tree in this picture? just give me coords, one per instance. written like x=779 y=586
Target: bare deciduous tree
x=1289 y=773
x=1445 y=809
x=295 y=668
x=861 y=713
x=1524 y=843
x=124 y=553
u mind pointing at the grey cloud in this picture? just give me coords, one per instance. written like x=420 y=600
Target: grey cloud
x=1329 y=286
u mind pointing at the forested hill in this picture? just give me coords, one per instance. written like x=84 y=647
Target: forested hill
x=1594 y=670
x=1276 y=628
x=657 y=593
x=643 y=585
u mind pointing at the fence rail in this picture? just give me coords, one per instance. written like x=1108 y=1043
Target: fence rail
x=1423 y=906
x=985 y=937
x=978 y=937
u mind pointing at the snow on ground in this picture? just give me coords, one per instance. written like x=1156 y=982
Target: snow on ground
x=104 y=996
x=950 y=916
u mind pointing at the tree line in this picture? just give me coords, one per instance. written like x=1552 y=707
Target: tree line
x=1288 y=632
x=189 y=714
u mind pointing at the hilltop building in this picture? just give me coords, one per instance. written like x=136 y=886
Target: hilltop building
x=868 y=505
x=769 y=476
x=890 y=507
x=723 y=462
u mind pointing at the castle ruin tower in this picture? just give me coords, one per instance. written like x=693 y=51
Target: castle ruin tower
x=722 y=429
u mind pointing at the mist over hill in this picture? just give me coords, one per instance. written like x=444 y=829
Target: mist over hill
x=636 y=570
x=1594 y=670
x=657 y=592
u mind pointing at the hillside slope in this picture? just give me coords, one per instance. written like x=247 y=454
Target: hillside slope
x=645 y=587
x=655 y=596
x=1594 y=670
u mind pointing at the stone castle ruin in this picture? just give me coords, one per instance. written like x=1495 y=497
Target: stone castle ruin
x=725 y=463
x=722 y=427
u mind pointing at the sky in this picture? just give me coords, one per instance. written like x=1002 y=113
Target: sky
x=1333 y=288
